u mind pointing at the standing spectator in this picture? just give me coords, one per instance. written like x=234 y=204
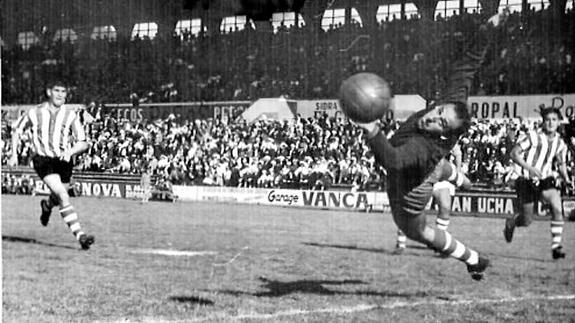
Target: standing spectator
x=145 y=183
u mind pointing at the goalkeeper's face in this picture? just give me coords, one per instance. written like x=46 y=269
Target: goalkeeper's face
x=441 y=120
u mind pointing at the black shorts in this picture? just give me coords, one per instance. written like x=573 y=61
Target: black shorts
x=528 y=191
x=48 y=165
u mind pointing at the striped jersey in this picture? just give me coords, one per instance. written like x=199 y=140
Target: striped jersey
x=540 y=150
x=53 y=131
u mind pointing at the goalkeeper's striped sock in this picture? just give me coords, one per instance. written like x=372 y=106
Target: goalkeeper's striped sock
x=556 y=232
x=442 y=224
x=448 y=245
x=71 y=218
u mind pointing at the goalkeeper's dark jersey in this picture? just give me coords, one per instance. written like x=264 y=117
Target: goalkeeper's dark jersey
x=417 y=165
x=418 y=159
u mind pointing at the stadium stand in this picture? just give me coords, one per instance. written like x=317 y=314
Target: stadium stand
x=247 y=64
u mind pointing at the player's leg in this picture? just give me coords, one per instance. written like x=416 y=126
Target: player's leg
x=442 y=198
x=411 y=219
x=408 y=207
x=144 y=194
x=401 y=242
x=44 y=166
x=527 y=197
x=57 y=189
x=46 y=205
x=553 y=198
x=415 y=228
x=52 y=201
x=58 y=184
x=442 y=195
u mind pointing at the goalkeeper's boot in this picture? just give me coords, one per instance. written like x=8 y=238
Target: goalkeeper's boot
x=477 y=270
x=509 y=229
x=557 y=253
x=86 y=241
x=46 y=212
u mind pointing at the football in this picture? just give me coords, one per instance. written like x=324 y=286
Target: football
x=364 y=97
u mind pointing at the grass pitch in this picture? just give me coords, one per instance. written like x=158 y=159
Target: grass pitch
x=186 y=262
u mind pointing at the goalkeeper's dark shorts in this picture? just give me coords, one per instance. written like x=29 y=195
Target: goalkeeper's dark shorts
x=414 y=202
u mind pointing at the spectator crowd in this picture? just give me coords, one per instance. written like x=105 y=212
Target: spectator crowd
x=530 y=57
x=313 y=153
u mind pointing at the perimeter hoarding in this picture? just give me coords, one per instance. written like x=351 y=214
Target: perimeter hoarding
x=223 y=110
x=407 y=103
x=481 y=107
x=519 y=106
x=482 y=204
x=286 y=197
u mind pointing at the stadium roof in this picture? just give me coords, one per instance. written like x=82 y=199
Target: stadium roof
x=48 y=16
x=29 y=14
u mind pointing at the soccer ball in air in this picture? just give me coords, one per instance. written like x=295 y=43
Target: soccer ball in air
x=364 y=97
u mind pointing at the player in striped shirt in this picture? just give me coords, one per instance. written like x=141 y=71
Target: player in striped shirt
x=57 y=135
x=535 y=154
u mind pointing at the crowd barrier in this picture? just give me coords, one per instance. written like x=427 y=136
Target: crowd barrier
x=87 y=183
x=329 y=200
x=466 y=203
x=490 y=204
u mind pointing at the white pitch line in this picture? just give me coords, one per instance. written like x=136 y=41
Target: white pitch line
x=169 y=252
x=366 y=307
